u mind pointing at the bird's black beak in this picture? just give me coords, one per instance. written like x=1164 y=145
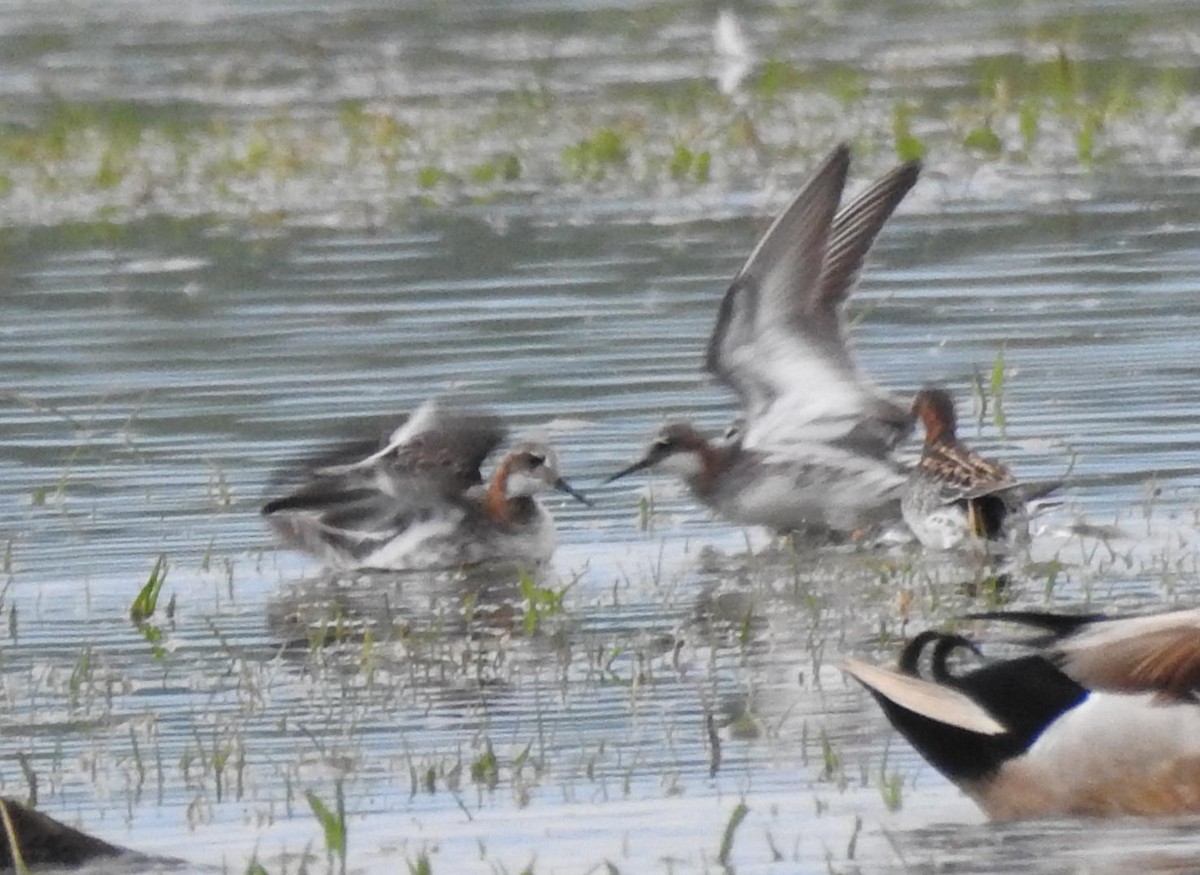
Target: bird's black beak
x=639 y=465
x=563 y=486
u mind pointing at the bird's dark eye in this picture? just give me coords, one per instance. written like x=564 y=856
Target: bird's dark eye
x=663 y=444
x=536 y=461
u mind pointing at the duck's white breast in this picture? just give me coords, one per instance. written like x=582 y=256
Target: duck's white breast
x=1113 y=754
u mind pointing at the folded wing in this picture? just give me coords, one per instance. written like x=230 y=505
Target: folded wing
x=1157 y=653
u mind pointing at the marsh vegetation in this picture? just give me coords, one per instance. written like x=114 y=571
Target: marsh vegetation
x=232 y=238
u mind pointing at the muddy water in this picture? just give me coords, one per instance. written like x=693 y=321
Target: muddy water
x=162 y=361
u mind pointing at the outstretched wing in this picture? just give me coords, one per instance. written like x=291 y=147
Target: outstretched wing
x=854 y=231
x=779 y=340
x=346 y=504
x=759 y=322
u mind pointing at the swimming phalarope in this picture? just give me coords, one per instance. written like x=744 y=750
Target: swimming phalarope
x=955 y=497
x=812 y=448
x=419 y=501
x=1103 y=722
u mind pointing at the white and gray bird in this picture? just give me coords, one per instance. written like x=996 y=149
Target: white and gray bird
x=419 y=501
x=812 y=451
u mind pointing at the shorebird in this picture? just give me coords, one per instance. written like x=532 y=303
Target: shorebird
x=957 y=498
x=1102 y=721
x=419 y=501
x=811 y=451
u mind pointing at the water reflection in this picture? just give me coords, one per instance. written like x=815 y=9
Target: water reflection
x=1121 y=846
x=348 y=606
x=157 y=370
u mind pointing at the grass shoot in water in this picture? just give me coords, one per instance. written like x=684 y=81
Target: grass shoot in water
x=333 y=824
x=735 y=820
x=145 y=605
x=540 y=602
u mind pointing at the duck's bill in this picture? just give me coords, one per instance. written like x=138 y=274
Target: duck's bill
x=639 y=465
x=563 y=486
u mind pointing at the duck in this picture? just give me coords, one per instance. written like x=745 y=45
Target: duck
x=811 y=448
x=418 y=501
x=957 y=499
x=1102 y=719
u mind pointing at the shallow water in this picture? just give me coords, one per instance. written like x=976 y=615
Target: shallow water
x=166 y=349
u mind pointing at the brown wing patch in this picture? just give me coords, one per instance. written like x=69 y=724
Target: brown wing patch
x=1161 y=660
x=962 y=471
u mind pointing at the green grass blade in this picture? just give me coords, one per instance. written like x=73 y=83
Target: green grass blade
x=735 y=820
x=147 y=598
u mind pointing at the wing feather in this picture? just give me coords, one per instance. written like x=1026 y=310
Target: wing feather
x=779 y=342
x=347 y=504
x=1156 y=653
x=771 y=291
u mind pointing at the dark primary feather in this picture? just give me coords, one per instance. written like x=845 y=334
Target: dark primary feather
x=353 y=522
x=336 y=453
x=782 y=271
x=355 y=496
x=786 y=266
x=781 y=316
x=854 y=231
x=878 y=432
x=1033 y=492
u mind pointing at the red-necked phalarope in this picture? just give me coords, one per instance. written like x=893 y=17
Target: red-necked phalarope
x=1103 y=722
x=812 y=448
x=419 y=501
x=957 y=498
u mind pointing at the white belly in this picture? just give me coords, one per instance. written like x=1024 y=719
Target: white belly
x=843 y=492
x=455 y=539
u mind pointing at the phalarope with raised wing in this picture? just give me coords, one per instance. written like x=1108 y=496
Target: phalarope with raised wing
x=419 y=501
x=957 y=498
x=1102 y=721
x=812 y=450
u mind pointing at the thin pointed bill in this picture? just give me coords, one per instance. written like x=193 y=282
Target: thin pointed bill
x=639 y=465
x=563 y=486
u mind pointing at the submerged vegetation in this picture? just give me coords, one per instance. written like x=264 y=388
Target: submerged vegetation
x=336 y=706
x=676 y=680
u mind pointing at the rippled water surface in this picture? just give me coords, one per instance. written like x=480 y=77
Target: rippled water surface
x=184 y=316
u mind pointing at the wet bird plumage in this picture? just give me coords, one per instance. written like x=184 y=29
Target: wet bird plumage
x=420 y=501
x=812 y=448
x=1103 y=720
x=956 y=497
